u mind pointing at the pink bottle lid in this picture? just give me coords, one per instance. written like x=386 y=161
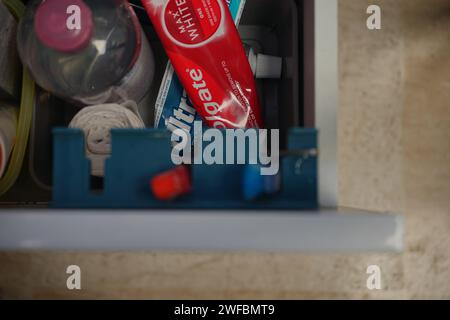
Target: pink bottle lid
x=55 y=24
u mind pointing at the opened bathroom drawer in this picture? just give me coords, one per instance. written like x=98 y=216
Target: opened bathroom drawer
x=57 y=204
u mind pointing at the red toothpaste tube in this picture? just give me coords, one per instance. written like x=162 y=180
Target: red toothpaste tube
x=206 y=52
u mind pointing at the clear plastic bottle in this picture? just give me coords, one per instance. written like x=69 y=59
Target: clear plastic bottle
x=87 y=51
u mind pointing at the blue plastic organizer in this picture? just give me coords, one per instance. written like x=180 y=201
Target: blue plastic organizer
x=138 y=155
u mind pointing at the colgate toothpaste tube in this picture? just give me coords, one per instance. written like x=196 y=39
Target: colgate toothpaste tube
x=206 y=52
x=173 y=109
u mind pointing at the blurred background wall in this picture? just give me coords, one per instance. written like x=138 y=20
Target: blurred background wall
x=394 y=155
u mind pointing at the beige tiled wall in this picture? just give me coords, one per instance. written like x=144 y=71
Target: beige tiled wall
x=394 y=155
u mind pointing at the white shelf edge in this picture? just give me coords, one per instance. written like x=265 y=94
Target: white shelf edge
x=326 y=98
x=117 y=230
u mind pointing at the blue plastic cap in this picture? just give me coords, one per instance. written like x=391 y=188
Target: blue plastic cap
x=253 y=184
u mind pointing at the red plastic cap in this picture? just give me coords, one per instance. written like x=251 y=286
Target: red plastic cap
x=171 y=184
x=56 y=24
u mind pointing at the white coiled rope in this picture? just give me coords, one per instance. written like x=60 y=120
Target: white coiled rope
x=97 y=122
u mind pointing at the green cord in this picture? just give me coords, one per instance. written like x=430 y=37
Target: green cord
x=16 y=7
x=25 y=117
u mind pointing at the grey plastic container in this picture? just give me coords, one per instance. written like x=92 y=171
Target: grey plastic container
x=269 y=26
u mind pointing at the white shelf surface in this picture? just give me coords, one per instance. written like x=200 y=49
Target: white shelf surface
x=86 y=230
